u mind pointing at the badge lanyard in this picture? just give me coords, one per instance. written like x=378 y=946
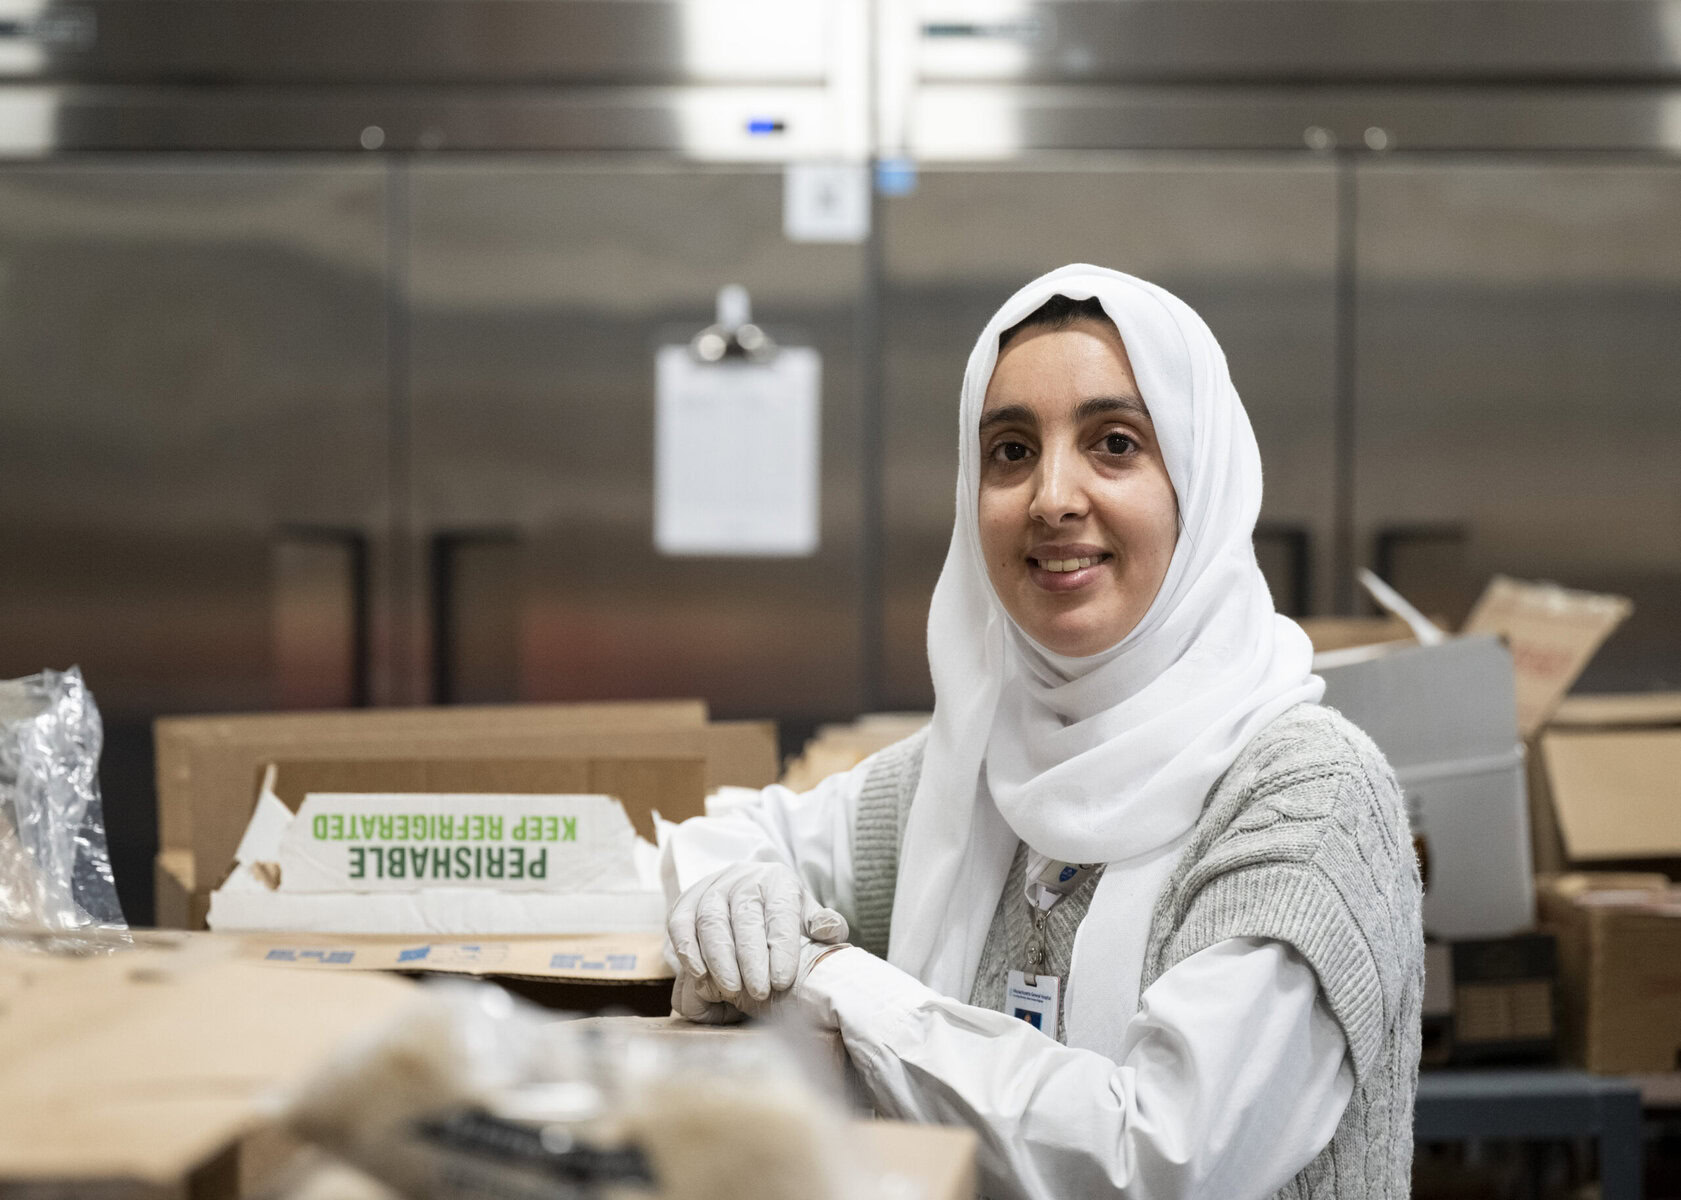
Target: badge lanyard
x=1033 y=997
x=1049 y=880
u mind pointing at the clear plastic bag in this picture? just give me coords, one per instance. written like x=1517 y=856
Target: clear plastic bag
x=55 y=869
x=471 y=1095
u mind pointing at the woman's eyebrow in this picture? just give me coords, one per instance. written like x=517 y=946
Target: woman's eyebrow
x=1108 y=406
x=1009 y=414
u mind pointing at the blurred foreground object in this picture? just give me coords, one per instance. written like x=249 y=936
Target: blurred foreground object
x=55 y=872
x=152 y=1070
x=468 y=1094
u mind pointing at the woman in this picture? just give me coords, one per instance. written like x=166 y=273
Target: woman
x=1128 y=825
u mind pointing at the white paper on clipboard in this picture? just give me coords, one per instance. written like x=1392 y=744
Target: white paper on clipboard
x=736 y=454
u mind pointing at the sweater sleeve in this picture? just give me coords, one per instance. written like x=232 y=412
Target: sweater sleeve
x=1315 y=854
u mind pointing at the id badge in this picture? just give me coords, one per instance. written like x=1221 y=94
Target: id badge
x=1036 y=1002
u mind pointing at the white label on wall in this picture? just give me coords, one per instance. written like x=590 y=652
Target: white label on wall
x=826 y=202
x=736 y=454
x=404 y=843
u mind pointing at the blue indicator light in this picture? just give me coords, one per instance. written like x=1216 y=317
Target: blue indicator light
x=759 y=126
x=895 y=176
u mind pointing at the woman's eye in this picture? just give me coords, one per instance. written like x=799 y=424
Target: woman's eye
x=1009 y=451
x=1118 y=443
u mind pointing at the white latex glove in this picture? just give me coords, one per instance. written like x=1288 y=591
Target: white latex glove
x=739 y=931
x=698 y=999
x=794 y=1004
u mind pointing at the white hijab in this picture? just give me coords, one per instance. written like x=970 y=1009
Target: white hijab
x=1106 y=758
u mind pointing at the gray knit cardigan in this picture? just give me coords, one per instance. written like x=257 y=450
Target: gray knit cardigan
x=1303 y=840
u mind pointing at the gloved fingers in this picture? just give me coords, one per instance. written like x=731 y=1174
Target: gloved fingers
x=684 y=1002
x=823 y=924
x=784 y=906
x=680 y=928
x=747 y=920
x=716 y=935
x=692 y=1000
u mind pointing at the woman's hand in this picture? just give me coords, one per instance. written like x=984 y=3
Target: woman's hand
x=738 y=934
x=698 y=1000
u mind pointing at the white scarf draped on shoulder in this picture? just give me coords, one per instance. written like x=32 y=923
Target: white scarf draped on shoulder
x=1106 y=758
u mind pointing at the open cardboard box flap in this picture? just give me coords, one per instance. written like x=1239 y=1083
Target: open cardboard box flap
x=1552 y=632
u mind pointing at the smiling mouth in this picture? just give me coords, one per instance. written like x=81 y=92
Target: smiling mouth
x=1063 y=565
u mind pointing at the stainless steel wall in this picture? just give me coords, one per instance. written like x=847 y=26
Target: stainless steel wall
x=373 y=424
x=1516 y=325
x=193 y=377
x=539 y=292
x=194 y=444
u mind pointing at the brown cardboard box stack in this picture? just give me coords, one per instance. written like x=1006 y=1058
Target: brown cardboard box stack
x=836 y=748
x=1605 y=779
x=1619 y=937
x=1604 y=796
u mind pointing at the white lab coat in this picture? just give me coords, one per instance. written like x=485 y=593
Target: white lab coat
x=1232 y=1075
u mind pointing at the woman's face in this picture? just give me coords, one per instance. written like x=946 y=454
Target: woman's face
x=1078 y=517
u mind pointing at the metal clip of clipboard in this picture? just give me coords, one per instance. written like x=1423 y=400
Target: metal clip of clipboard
x=733 y=334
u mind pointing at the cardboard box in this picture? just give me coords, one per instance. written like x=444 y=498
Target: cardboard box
x=1606 y=784
x=208 y=767
x=1553 y=633
x=152 y=1072
x=836 y=748
x=1620 y=969
x=934 y=1162
x=741 y=754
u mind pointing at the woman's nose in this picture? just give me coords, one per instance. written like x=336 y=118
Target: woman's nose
x=1059 y=493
